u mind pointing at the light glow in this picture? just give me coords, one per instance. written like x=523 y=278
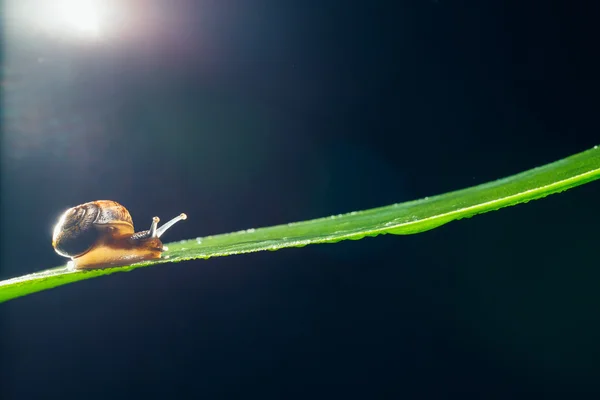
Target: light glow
x=82 y=16
x=90 y=22
x=75 y=18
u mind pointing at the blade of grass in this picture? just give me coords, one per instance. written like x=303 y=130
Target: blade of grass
x=401 y=219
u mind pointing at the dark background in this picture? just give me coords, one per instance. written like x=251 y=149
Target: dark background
x=252 y=113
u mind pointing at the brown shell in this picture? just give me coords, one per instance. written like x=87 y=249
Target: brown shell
x=80 y=227
x=111 y=212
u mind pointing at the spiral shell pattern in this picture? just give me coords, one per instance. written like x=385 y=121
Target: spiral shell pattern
x=78 y=228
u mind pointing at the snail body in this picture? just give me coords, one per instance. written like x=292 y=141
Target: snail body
x=100 y=234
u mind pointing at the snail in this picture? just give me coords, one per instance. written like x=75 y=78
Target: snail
x=100 y=234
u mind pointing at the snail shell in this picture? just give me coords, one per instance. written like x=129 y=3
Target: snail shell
x=100 y=234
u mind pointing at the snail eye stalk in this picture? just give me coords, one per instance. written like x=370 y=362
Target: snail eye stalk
x=153 y=227
x=160 y=231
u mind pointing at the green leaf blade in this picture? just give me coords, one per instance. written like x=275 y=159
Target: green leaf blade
x=399 y=219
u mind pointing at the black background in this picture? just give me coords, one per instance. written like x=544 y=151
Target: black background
x=252 y=113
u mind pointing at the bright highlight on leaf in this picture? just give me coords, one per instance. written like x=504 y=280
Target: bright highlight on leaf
x=401 y=219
